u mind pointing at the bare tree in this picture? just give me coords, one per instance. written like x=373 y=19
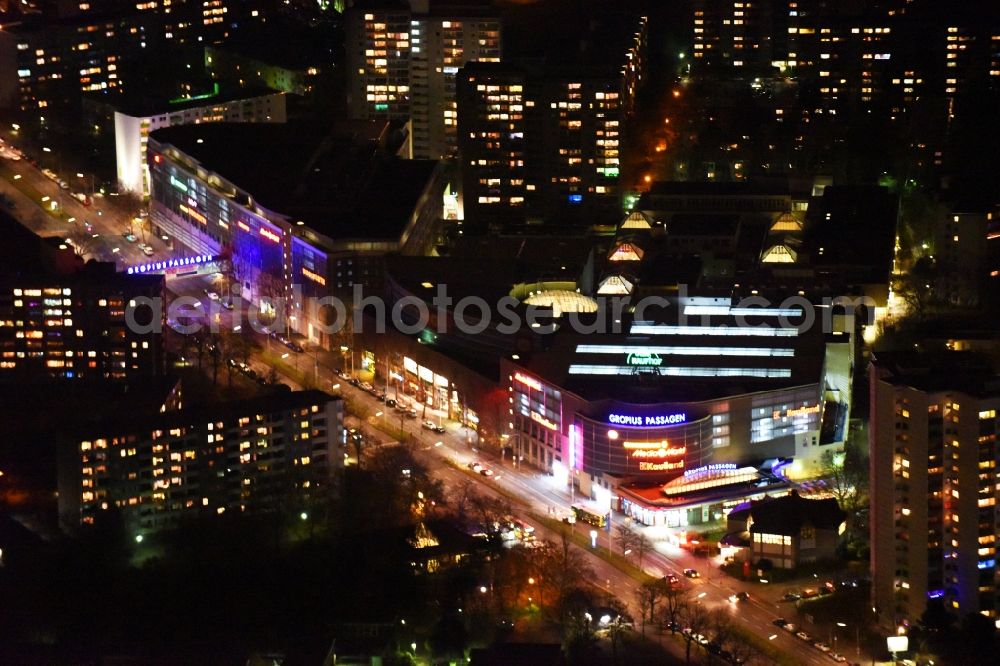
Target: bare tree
x=721 y=627
x=696 y=620
x=674 y=602
x=562 y=568
x=642 y=546
x=462 y=498
x=625 y=538
x=648 y=596
x=493 y=512
x=618 y=626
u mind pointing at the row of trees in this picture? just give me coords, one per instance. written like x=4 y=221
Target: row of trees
x=671 y=608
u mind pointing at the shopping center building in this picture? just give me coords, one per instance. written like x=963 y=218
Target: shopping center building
x=732 y=386
x=291 y=210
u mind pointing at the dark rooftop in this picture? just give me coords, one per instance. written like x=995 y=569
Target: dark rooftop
x=271 y=403
x=522 y=654
x=713 y=188
x=335 y=179
x=141 y=102
x=694 y=224
x=852 y=226
x=938 y=371
x=787 y=515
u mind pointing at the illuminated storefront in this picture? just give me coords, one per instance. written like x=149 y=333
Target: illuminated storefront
x=436 y=391
x=699 y=495
x=609 y=442
x=626 y=442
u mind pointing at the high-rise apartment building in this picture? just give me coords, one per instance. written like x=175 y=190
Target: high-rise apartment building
x=934 y=485
x=541 y=138
x=444 y=37
x=50 y=60
x=733 y=33
x=61 y=319
x=260 y=455
x=403 y=61
x=378 y=60
x=491 y=127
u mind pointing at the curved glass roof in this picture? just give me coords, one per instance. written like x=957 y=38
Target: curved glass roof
x=562 y=301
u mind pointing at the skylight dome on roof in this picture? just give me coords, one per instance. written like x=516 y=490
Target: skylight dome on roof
x=615 y=285
x=627 y=252
x=786 y=222
x=562 y=301
x=779 y=254
x=637 y=220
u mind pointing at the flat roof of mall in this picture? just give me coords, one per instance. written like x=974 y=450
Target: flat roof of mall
x=645 y=386
x=333 y=178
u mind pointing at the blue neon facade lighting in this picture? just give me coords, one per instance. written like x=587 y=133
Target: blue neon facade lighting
x=168 y=264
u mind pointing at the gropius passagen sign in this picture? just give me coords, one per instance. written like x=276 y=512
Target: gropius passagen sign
x=647 y=420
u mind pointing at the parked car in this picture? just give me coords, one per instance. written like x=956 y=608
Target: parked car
x=146 y=250
x=780 y=622
x=390 y=402
x=212 y=296
x=839 y=658
x=804 y=636
x=821 y=646
x=129 y=236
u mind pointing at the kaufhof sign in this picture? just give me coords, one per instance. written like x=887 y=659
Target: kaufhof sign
x=647 y=421
x=643 y=358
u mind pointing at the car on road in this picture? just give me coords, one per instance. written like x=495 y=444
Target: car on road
x=780 y=622
x=475 y=467
x=790 y=627
x=739 y=596
x=129 y=236
x=146 y=249
x=297 y=348
x=821 y=646
x=390 y=402
x=430 y=425
x=486 y=471
x=792 y=596
x=411 y=413
x=672 y=579
x=692 y=573
x=804 y=636
x=212 y=296
x=837 y=657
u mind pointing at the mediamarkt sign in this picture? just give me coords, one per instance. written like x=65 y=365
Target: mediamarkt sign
x=646 y=421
